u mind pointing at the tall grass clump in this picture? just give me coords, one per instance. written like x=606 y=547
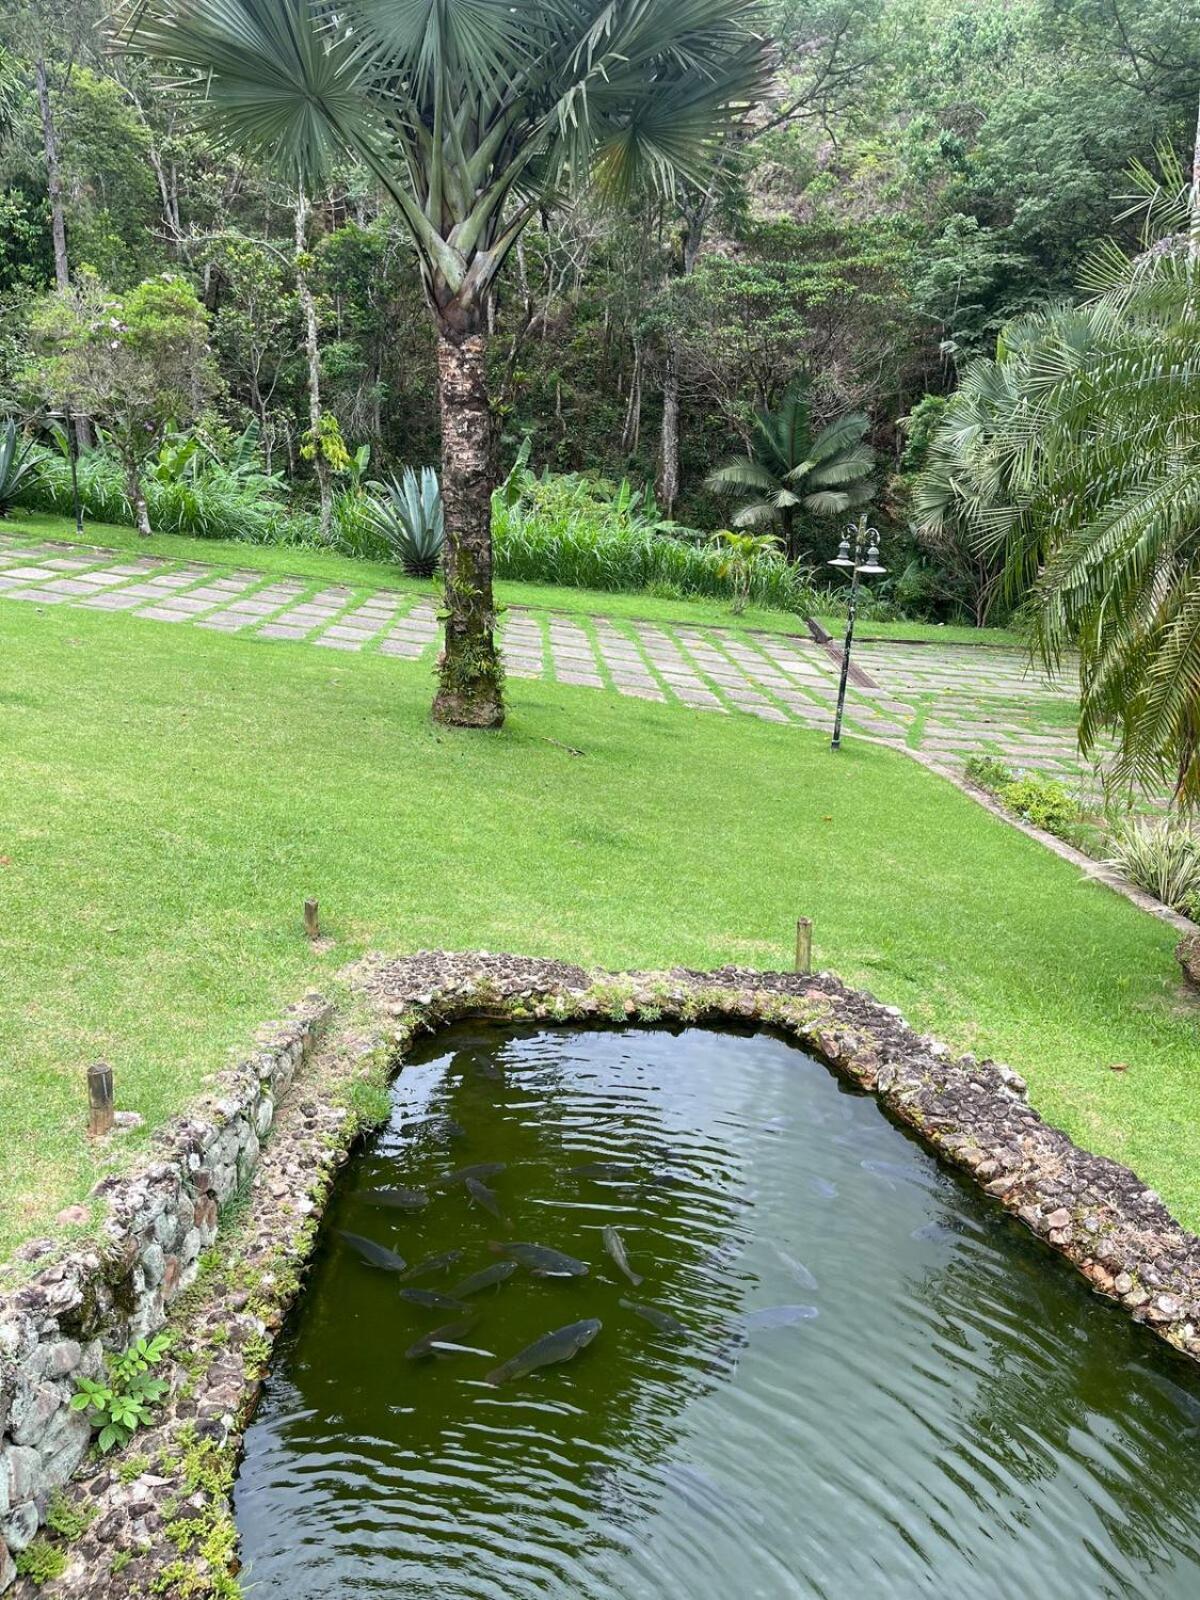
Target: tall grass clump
x=587 y=534
x=1162 y=856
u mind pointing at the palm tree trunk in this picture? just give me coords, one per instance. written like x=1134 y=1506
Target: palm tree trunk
x=308 y=307
x=471 y=679
x=58 y=227
x=788 y=518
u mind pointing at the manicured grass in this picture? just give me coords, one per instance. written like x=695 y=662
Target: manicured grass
x=328 y=566
x=171 y=795
x=927 y=632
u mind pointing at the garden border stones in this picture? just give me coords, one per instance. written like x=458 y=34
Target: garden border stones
x=160 y=1520
x=54 y=1328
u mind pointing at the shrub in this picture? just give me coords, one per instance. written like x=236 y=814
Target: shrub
x=16 y=465
x=1163 y=857
x=119 y=1407
x=588 y=534
x=989 y=772
x=1041 y=801
x=409 y=517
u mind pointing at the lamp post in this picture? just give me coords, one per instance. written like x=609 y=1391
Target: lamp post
x=862 y=536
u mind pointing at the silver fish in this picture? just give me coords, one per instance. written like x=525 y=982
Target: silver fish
x=432 y=1265
x=780 y=1316
x=484 y=1279
x=481 y=1170
x=483 y=1196
x=449 y=1333
x=615 y=1246
x=397 y=1199
x=797 y=1269
x=662 y=1320
x=430 y=1300
x=560 y=1345
x=378 y=1255
x=446 y=1347
x=540 y=1260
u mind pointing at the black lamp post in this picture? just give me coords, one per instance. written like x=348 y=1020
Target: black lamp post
x=69 y=429
x=863 y=536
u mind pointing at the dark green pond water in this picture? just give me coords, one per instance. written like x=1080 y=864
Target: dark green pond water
x=943 y=1410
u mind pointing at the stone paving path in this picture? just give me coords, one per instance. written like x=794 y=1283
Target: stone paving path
x=945 y=699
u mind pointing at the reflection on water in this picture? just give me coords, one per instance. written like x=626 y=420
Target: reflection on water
x=880 y=1387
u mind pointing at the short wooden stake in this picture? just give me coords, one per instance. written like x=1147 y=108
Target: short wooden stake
x=311 y=924
x=101 y=1114
x=804 y=944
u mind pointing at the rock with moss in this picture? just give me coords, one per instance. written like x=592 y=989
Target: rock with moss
x=1187 y=953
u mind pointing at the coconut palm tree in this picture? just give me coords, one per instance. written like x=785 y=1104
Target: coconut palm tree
x=794 y=471
x=471 y=115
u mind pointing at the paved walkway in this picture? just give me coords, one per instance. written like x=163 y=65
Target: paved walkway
x=945 y=699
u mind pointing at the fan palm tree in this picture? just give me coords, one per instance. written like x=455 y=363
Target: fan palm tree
x=794 y=471
x=472 y=116
x=1077 y=453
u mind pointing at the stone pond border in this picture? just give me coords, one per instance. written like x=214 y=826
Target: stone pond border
x=157 y=1519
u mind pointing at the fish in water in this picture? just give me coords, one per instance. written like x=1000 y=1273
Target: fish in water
x=432 y=1265
x=445 y=1347
x=484 y=1279
x=541 y=1261
x=780 y=1316
x=823 y=1187
x=896 y=1173
x=431 y=1300
x=605 y=1169
x=481 y=1170
x=934 y=1232
x=615 y=1246
x=551 y=1348
x=398 y=1199
x=797 y=1269
x=662 y=1320
x=449 y=1333
x=483 y=1196
x=377 y=1254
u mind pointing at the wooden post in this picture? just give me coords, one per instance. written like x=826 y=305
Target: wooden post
x=312 y=926
x=804 y=944
x=100 y=1099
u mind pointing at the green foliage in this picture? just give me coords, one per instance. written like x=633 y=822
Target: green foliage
x=119 y=1407
x=1161 y=856
x=16 y=465
x=741 y=554
x=1041 y=801
x=67 y=1518
x=797 y=470
x=989 y=772
x=326 y=444
x=41 y=1562
x=407 y=513
x=590 y=534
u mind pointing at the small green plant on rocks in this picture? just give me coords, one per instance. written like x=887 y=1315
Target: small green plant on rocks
x=41 y=1562
x=119 y=1407
x=67 y=1518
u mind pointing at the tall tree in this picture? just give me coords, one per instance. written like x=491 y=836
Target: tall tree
x=472 y=115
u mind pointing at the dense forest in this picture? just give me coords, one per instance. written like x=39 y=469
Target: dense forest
x=919 y=173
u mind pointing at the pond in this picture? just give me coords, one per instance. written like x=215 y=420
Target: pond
x=845 y=1374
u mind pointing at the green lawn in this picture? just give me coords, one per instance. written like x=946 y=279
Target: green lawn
x=171 y=795
x=927 y=633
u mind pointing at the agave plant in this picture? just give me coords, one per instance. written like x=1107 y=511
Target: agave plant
x=15 y=465
x=409 y=516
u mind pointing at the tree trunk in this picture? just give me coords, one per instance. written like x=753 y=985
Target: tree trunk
x=471 y=680
x=308 y=307
x=666 y=485
x=58 y=226
x=137 y=500
x=788 y=517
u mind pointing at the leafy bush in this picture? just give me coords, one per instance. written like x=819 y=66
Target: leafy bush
x=588 y=534
x=989 y=772
x=16 y=466
x=1041 y=801
x=409 y=516
x=1162 y=857
x=212 y=502
x=118 y=1408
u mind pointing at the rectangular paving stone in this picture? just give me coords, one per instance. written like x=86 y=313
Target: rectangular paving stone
x=164 y=614
x=30 y=574
x=400 y=647
x=278 y=630
x=344 y=631
x=113 y=602
x=338 y=644
x=42 y=596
